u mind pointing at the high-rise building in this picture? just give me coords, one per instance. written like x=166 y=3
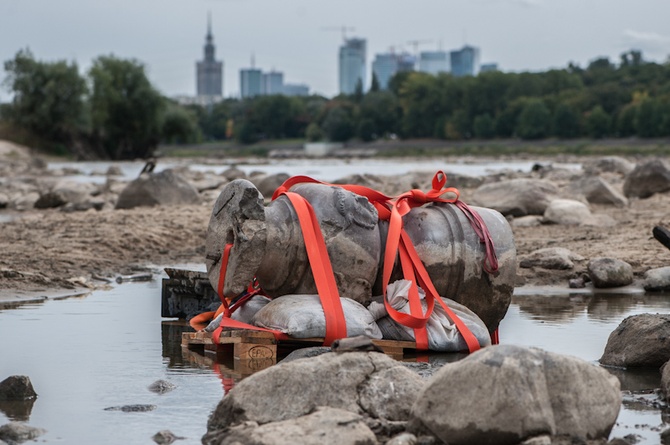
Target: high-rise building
x=434 y=62
x=250 y=82
x=209 y=72
x=465 y=62
x=352 y=65
x=487 y=67
x=386 y=65
x=272 y=83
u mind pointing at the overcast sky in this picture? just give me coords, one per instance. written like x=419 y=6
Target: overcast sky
x=296 y=36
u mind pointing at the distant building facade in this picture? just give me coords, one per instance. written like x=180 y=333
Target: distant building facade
x=272 y=83
x=209 y=71
x=487 y=67
x=434 y=62
x=465 y=61
x=352 y=65
x=251 y=81
x=386 y=65
x=293 y=89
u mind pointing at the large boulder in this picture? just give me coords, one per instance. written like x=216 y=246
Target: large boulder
x=640 y=340
x=598 y=191
x=608 y=164
x=610 y=272
x=567 y=212
x=363 y=383
x=508 y=394
x=516 y=197
x=152 y=189
x=647 y=179
x=325 y=426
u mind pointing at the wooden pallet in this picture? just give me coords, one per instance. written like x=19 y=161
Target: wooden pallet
x=252 y=351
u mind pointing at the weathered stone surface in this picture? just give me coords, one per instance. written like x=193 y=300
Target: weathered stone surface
x=558 y=258
x=132 y=408
x=151 y=189
x=657 y=279
x=608 y=164
x=306 y=353
x=527 y=221
x=233 y=173
x=326 y=426
x=17 y=387
x=506 y=394
x=646 y=179
x=17 y=432
x=598 y=191
x=567 y=212
x=165 y=437
x=403 y=439
x=665 y=380
x=268 y=184
x=161 y=386
x=516 y=197
x=610 y=272
x=354 y=381
x=640 y=340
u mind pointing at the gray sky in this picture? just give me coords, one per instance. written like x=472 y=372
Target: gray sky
x=288 y=35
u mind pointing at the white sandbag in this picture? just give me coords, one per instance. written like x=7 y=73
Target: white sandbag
x=442 y=332
x=301 y=316
x=244 y=313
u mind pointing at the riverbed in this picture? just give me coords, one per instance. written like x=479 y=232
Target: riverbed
x=85 y=354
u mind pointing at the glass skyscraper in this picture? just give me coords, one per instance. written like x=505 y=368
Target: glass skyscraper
x=352 y=65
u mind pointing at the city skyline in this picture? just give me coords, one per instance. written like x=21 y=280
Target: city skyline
x=300 y=37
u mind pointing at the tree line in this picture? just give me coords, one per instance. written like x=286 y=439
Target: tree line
x=114 y=112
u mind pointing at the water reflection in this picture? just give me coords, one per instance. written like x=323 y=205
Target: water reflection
x=17 y=410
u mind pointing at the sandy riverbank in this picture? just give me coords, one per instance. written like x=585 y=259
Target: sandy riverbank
x=50 y=250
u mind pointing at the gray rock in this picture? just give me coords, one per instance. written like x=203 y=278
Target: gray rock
x=165 y=437
x=355 y=381
x=151 y=189
x=17 y=387
x=161 y=386
x=403 y=439
x=325 y=426
x=506 y=394
x=114 y=170
x=567 y=212
x=608 y=164
x=17 y=432
x=598 y=191
x=516 y=197
x=647 y=179
x=233 y=173
x=527 y=221
x=665 y=380
x=558 y=258
x=268 y=184
x=132 y=408
x=306 y=353
x=657 y=279
x=610 y=272
x=639 y=340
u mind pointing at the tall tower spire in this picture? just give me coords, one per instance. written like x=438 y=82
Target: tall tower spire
x=209 y=70
x=209 y=26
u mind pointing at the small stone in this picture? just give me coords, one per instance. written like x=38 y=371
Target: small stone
x=17 y=387
x=17 y=432
x=165 y=437
x=403 y=439
x=161 y=386
x=132 y=408
x=610 y=272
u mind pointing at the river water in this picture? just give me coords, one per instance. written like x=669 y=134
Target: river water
x=85 y=354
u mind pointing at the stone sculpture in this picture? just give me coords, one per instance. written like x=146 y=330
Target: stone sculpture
x=267 y=244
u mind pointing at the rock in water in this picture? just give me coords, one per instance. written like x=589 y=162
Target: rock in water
x=152 y=189
x=17 y=387
x=640 y=340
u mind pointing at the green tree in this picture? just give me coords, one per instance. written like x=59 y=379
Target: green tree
x=625 y=121
x=598 y=122
x=358 y=92
x=566 y=122
x=648 y=118
x=374 y=86
x=382 y=108
x=534 y=120
x=484 y=126
x=49 y=99
x=366 y=130
x=126 y=110
x=180 y=125
x=313 y=132
x=339 y=124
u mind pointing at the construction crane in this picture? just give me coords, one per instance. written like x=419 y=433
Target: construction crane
x=416 y=43
x=343 y=29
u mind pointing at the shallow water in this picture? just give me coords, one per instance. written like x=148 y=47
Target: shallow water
x=88 y=353
x=321 y=169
